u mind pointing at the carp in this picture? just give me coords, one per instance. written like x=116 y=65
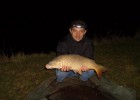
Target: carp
x=75 y=62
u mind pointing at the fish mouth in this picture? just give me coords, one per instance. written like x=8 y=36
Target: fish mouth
x=48 y=67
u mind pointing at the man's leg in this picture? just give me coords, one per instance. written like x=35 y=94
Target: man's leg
x=61 y=75
x=86 y=75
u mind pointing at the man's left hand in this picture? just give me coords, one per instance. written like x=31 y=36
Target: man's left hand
x=84 y=68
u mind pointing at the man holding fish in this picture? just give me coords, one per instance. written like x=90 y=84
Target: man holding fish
x=76 y=43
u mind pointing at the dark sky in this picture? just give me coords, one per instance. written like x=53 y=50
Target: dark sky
x=38 y=30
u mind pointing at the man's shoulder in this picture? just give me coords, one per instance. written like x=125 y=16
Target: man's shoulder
x=88 y=39
x=63 y=40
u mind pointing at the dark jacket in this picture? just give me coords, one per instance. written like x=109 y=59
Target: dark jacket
x=69 y=46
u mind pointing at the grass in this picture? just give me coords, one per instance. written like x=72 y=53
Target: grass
x=122 y=58
x=22 y=73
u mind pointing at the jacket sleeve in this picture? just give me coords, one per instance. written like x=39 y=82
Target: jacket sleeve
x=61 y=48
x=90 y=50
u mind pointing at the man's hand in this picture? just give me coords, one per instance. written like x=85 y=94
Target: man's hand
x=84 y=68
x=65 y=68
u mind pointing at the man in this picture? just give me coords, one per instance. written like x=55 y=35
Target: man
x=76 y=43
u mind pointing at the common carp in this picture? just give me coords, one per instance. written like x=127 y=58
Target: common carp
x=75 y=62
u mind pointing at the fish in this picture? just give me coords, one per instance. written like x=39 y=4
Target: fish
x=75 y=62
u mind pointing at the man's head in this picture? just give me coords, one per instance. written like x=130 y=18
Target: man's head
x=78 y=29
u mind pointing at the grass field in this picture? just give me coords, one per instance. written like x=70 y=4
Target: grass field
x=21 y=73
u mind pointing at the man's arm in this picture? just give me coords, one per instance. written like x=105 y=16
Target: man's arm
x=61 y=49
x=89 y=52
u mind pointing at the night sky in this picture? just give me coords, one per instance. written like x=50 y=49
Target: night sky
x=39 y=30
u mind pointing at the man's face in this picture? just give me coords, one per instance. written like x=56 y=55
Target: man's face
x=77 y=33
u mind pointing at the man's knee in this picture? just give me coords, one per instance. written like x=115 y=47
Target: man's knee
x=91 y=72
x=86 y=75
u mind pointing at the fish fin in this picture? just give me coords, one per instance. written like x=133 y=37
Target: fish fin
x=99 y=74
x=100 y=71
x=79 y=72
x=75 y=71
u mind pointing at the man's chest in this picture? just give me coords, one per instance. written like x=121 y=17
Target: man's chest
x=77 y=48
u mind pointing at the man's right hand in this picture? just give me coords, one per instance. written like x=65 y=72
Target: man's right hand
x=65 y=68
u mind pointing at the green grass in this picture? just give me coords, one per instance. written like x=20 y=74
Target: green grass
x=122 y=58
x=22 y=73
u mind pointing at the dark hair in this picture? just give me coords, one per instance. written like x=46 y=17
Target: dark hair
x=78 y=23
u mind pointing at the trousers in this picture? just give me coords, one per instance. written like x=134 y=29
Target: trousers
x=61 y=75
